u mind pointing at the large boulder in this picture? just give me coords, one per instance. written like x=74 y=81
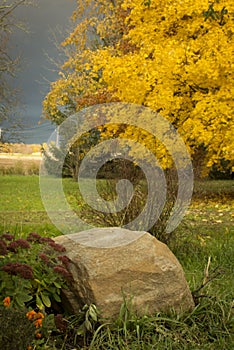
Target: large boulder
x=109 y=263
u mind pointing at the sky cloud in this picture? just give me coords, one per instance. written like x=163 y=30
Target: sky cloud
x=48 y=17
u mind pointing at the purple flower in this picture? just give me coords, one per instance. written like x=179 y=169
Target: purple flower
x=33 y=237
x=44 y=258
x=24 y=270
x=65 y=260
x=13 y=246
x=18 y=243
x=3 y=248
x=62 y=271
x=57 y=247
x=46 y=239
x=22 y=243
x=8 y=237
x=10 y=268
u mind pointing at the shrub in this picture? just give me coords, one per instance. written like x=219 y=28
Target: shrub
x=32 y=270
x=121 y=218
x=22 y=329
x=17 y=332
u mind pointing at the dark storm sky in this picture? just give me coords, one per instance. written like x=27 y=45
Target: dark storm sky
x=48 y=17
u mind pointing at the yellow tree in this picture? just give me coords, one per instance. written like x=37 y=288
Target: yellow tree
x=80 y=84
x=173 y=57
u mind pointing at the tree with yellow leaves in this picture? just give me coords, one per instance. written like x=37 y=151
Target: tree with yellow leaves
x=174 y=57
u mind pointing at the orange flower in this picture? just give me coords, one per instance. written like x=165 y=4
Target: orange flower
x=7 y=301
x=40 y=315
x=31 y=315
x=38 y=323
x=38 y=335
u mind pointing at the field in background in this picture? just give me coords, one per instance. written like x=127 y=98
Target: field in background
x=20 y=159
x=19 y=148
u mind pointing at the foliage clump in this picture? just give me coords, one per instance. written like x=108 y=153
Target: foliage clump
x=17 y=332
x=32 y=270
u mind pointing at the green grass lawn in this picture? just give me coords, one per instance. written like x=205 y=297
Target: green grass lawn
x=21 y=207
x=205 y=233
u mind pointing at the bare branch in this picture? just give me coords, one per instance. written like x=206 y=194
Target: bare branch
x=11 y=7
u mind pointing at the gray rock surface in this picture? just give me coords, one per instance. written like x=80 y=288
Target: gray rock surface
x=108 y=263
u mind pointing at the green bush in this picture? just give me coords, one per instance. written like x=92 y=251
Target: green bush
x=16 y=331
x=106 y=189
x=32 y=270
